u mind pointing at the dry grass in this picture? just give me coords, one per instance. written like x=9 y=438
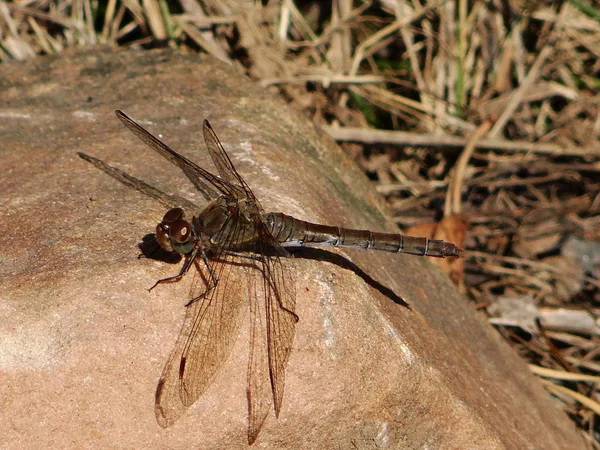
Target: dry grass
x=404 y=89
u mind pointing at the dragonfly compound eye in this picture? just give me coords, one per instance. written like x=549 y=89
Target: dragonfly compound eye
x=173 y=215
x=162 y=236
x=179 y=231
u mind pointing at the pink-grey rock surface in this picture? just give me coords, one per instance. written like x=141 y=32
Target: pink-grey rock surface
x=83 y=343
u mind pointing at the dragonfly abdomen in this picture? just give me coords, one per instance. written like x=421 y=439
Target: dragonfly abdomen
x=290 y=231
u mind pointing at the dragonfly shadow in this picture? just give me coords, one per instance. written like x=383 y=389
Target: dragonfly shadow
x=151 y=249
x=318 y=254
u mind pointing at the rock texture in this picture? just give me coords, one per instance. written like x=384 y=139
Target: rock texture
x=83 y=342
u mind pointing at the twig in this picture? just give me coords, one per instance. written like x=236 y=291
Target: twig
x=368 y=136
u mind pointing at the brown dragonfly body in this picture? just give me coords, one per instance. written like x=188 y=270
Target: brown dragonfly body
x=289 y=231
x=238 y=252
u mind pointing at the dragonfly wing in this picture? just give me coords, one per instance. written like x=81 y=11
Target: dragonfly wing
x=272 y=303
x=281 y=322
x=259 y=394
x=222 y=162
x=210 y=326
x=205 y=340
x=273 y=320
x=196 y=174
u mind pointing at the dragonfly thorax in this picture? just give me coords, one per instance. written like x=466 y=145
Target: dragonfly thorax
x=212 y=223
x=226 y=221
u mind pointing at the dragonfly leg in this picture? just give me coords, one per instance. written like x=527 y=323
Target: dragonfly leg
x=211 y=272
x=184 y=269
x=211 y=283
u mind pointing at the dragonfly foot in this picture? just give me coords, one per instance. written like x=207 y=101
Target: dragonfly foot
x=174 y=279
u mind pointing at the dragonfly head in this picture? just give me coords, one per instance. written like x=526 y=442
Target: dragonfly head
x=174 y=233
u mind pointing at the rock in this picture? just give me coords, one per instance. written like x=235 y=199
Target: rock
x=84 y=342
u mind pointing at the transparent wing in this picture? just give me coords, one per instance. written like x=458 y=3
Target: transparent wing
x=196 y=174
x=209 y=330
x=281 y=321
x=258 y=393
x=222 y=162
x=205 y=341
x=272 y=303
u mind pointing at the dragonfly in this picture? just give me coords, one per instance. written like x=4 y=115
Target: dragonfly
x=239 y=256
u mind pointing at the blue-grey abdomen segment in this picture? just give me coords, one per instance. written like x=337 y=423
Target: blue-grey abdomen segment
x=290 y=231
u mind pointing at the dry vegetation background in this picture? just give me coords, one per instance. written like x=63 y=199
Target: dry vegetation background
x=483 y=112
